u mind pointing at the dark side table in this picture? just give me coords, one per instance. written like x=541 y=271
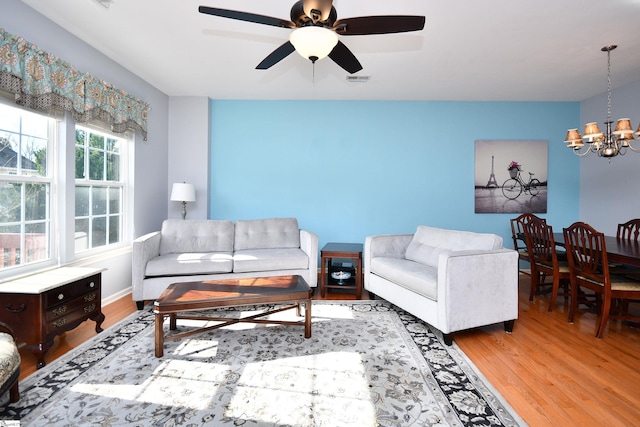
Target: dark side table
x=341 y=251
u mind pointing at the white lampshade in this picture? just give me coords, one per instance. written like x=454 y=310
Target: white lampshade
x=313 y=42
x=182 y=192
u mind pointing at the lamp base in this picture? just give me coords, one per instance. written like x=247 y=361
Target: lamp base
x=184 y=210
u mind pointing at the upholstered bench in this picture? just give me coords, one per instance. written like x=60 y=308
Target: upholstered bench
x=9 y=363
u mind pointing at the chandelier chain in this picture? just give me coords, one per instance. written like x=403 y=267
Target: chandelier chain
x=608 y=84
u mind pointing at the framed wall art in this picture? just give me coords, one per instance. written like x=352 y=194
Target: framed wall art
x=511 y=176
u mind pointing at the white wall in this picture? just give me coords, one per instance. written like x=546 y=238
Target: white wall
x=610 y=189
x=189 y=152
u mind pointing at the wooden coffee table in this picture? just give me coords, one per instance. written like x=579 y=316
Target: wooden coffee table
x=183 y=297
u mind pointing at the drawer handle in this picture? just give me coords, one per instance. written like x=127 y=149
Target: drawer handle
x=61 y=296
x=92 y=285
x=60 y=323
x=89 y=308
x=20 y=309
x=60 y=310
x=90 y=297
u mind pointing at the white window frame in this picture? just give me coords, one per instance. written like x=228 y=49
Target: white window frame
x=61 y=180
x=51 y=216
x=126 y=202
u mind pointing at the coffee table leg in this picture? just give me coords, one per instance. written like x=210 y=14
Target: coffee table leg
x=307 y=319
x=159 y=335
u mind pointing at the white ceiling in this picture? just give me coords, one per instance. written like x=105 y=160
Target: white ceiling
x=513 y=50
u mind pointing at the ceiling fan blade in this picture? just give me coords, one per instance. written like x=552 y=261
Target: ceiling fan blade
x=365 y=25
x=248 y=17
x=276 y=56
x=342 y=56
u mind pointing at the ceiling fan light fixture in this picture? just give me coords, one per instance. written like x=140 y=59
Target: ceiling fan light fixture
x=313 y=42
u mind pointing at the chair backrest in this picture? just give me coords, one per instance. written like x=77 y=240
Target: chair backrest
x=518 y=230
x=630 y=230
x=587 y=254
x=541 y=245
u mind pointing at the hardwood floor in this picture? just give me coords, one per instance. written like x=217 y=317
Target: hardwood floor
x=551 y=372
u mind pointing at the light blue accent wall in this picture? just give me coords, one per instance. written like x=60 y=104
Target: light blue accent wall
x=349 y=169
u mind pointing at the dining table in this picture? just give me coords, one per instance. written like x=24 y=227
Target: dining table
x=619 y=251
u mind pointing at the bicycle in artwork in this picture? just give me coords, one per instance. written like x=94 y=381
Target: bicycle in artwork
x=514 y=186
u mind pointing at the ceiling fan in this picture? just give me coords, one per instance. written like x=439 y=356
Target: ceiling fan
x=316 y=30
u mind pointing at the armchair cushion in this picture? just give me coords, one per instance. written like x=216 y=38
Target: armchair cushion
x=418 y=277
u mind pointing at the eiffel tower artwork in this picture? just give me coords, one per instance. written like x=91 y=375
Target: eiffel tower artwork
x=492 y=179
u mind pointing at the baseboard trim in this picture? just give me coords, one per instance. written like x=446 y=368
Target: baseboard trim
x=116 y=296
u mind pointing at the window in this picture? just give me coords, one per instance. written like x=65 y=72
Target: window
x=99 y=189
x=43 y=173
x=25 y=187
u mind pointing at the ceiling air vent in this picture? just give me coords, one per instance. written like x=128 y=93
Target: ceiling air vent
x=358 y=79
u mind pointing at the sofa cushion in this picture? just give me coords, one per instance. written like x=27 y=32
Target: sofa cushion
x=429 y=242
x=190 y=263
x=423 y=253
x=268 y=233
x=420 y=278
x=269 y=260
x=196 y=235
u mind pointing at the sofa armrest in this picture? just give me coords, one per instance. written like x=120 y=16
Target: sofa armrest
x=477 y=287
x=309 y=245
x=144 y=248
x=383 y=245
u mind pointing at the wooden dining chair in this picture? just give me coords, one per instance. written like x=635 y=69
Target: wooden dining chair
x=589 y=268
x=518 y=225
x=630 y=230
x=541 y=246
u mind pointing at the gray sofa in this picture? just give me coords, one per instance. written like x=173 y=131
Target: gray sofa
x=453 y=280
x=194 y=250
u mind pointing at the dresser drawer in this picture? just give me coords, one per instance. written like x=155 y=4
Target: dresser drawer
x=62 y=310
x=81 y=312
x=66 y=293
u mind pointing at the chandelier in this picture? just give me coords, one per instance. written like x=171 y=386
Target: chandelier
x=610 y=143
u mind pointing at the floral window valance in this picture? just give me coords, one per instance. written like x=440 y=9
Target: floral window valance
x=42 y=81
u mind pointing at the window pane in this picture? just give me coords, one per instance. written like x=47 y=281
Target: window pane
x=10 y=118
x=99 y=200
x=34 y=156
x=35 y=203
x=99 y=232
x=96 y=141
x=80 y=173
x=114 y=200
x=10 y=203
x=35 y=242
x=96 y=165
x=35 y=125
x=114 y=229
x=113 y=167
x=8 y=153
x=113 y=145
x=82 y=201
x=82 y=235
x=9 y=245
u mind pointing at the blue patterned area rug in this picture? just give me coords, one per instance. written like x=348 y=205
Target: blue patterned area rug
x=367 y=363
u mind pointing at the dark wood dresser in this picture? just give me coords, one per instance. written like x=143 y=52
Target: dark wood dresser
x=44 y=305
